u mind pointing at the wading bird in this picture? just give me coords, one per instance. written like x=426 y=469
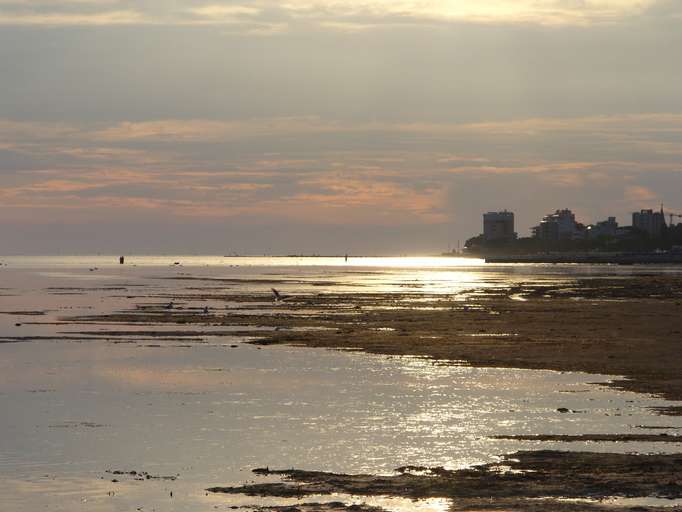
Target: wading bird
x=277 y=297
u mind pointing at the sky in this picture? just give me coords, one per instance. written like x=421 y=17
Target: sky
x=330 y=127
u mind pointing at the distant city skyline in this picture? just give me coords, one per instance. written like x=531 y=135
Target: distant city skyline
x=314 y=126
x=562 y=223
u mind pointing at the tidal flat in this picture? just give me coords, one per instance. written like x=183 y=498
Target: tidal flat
x=432 y=386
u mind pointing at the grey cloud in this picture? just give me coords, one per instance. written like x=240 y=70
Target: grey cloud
x=449 y=74
x=340 y=15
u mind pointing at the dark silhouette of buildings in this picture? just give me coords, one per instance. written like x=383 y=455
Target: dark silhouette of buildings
x=650 y=222
x=498 y=226
x=560 y=225
x=560 y=232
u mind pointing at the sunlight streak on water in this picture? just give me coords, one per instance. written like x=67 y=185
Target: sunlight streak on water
x=104 y=261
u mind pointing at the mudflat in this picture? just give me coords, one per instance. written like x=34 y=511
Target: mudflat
x=631 y=327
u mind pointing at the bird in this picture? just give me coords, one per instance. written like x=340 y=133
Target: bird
x=277 y=297
x=169 y=305
x=205 y=310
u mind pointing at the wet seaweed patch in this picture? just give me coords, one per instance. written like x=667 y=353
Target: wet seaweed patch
x=89 y=289
x=599 y=438
x=551 y=505
x=177 y=334
x=332 y=506
x=673 y=410
x=522 y=475
x=24 y=313
x=629 y=287
x=658 y=427
x=139 y=475
x=77 y=424
x=25 y=339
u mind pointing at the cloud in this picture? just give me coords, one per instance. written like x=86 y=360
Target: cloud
x=123 y=12
x=640 y=195
x=359 y=113
x=202 y=129
x=343 y=15
x=346 y=197
x=222 y=13
x=311 y=171
x=482 y=11
x=630 y=128
x=28 y=15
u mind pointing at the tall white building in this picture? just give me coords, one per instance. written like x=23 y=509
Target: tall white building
x=650 y=222
x=560 y=225
x=498 y=226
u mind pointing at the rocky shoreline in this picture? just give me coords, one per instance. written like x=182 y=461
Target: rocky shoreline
x=511 y=484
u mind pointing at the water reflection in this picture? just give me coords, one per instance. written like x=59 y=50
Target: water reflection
x=110 y=261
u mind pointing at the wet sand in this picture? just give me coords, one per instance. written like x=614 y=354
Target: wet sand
x=598 y=438
x=631 y=327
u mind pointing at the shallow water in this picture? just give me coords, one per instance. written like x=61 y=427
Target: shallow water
x=208 y=412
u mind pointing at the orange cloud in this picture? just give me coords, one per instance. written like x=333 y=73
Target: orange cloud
x=640 y=194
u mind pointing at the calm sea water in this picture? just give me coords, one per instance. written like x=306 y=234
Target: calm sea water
x=391 y=262
x=210 y=408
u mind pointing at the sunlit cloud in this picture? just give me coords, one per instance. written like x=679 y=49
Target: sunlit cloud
x=346 y=15
x=200 y=129
x=132 y=170
x=640 y=195
x=617 y=126
x=127 y=17
x=221 y=12
x=482 y=11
